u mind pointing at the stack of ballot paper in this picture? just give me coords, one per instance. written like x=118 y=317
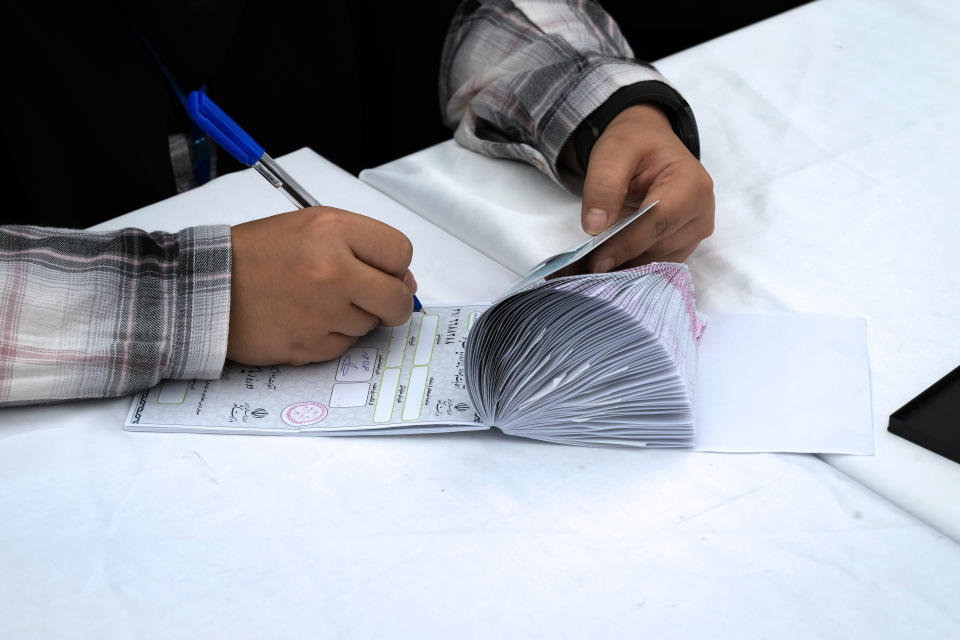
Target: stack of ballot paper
x=595 y=359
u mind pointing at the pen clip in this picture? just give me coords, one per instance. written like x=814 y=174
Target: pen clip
x=221 y=127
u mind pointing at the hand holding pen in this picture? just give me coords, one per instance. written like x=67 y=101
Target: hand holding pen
x=305 y=285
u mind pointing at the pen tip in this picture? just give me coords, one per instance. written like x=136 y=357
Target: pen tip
x=416 y=304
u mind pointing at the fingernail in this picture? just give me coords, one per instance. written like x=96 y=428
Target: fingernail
x=595 y=221
x=603 y=265
x=410 y=281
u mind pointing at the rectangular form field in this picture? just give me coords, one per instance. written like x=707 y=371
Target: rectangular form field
x=349 y=394
x=415 y=392
x=398 y=345
x=428 y=331
x=356 y=365
x=173 y=392
x=388 y=392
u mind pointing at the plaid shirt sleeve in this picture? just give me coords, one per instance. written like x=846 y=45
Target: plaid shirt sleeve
x=88 y=315
x=518 y=78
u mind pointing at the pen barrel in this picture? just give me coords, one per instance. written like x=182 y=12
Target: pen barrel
x=280 y=179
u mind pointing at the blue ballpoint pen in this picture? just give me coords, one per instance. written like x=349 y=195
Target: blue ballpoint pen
x=238 y=143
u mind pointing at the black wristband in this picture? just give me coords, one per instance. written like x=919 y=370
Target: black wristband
x=649 y=91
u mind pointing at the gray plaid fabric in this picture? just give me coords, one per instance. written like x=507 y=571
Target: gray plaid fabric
x=517 y=78
x=87 y=315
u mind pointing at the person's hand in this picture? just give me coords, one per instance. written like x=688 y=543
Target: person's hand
x=307 y=284
x=638 y=159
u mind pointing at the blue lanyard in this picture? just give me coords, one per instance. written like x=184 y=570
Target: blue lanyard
x=201 y=151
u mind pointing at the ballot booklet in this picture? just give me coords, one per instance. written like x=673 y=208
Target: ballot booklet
x=592 y=359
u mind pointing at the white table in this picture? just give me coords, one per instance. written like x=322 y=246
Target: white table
x=105 y=532
x=117 y=534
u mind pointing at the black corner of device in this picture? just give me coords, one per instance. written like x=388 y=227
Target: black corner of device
x=932 y=419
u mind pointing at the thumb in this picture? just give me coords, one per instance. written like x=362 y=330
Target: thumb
x=604 y=188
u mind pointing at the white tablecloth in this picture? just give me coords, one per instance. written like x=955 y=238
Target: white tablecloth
x=832 y=133
x=105 y=533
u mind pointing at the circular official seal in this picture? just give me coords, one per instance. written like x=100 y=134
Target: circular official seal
x=303 y=414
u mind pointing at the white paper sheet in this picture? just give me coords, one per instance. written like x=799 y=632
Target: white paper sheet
x=784 y=382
